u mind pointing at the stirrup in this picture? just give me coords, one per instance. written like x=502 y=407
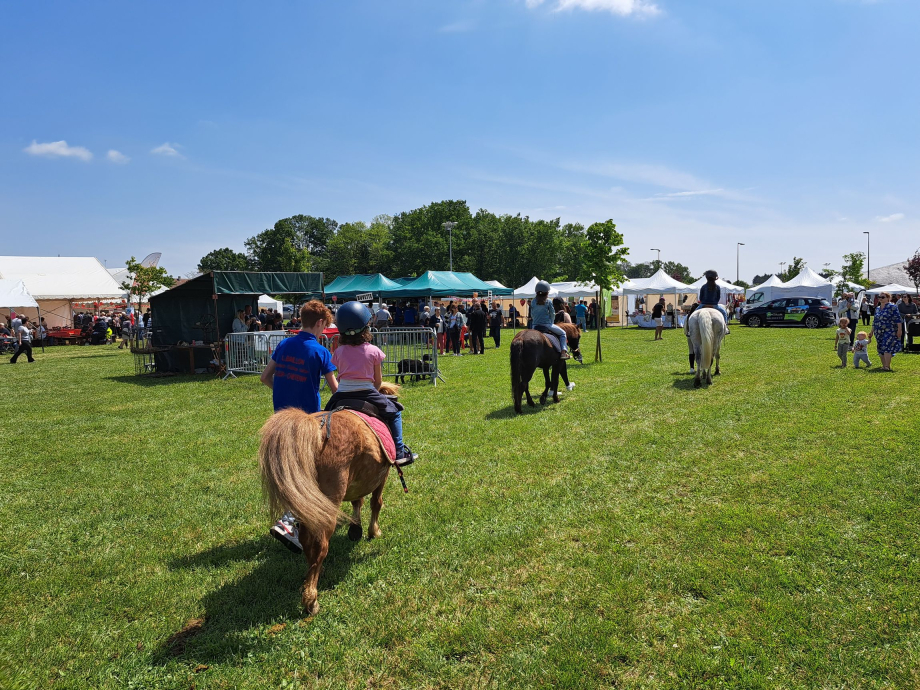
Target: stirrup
x=565 y=355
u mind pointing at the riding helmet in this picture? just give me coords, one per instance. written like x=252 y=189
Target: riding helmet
x=352 y=318
x=543 y=287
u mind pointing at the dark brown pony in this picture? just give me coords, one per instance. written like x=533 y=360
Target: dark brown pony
x=530 y=350
x=311 y=469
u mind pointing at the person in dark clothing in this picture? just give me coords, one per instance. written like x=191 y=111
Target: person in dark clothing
x=24 y=341
x=496 y=319
x=476 y=322
x=657 y=317
x=687 y=333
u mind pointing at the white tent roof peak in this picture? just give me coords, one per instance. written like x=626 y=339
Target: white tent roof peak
x=729 y=287
x=772 y=281
x=659 y=284
x=807 y=278
x=529 y=289
x=61 y=277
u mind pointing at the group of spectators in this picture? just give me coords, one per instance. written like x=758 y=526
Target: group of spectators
x=266 y=320
x=902 y=308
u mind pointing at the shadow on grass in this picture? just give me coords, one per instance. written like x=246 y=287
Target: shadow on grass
x=233 y=613
x=147 y=381
x=686 y=384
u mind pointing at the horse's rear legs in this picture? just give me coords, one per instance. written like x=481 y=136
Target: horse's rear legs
x=315 y=550
x=373 y=530
x=354 y=530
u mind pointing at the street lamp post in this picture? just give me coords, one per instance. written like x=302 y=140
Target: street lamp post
x=738 y=261
x=782 y=271
x=866 y=233
x=658 y=260
x=450 y=229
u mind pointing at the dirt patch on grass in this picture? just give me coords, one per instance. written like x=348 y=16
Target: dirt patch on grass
x=177 y=641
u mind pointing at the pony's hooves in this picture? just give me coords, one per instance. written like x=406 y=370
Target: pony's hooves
x=531 y=403
x=311 y=608
x=697 y=383
x=354 y=532
x=374 y=534
x=717 y=373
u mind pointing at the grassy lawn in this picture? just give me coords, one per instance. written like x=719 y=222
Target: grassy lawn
x=762 y=533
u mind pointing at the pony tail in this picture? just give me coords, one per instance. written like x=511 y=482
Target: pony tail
x=291 y=440
x=706 y=343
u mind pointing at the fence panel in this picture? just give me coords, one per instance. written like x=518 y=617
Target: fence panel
x=248 y=353
x=414 y=350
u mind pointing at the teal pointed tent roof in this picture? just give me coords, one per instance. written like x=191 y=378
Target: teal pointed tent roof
x=446 y=284
x=346 y=287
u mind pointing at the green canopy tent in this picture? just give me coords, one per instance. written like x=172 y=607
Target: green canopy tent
x=203 y=308
x=446 y=284
x=346 y=288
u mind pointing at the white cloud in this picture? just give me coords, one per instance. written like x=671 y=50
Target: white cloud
x=168 y=149
x=623 y=8
x=58 y=149
x=696 y=193
x=657 y=175
x=457 y=27
x=890 y=219
x=117 y=157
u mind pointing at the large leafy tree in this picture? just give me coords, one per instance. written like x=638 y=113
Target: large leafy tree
x=641 y=270
x=572 y=246
x=223 y=260
x=852 y=269
x=603 y=259
x=359 y=248
x=419 y=241
x=278 y=249
x=678 y=271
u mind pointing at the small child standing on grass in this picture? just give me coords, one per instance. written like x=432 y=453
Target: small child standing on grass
x=842 y=341
x=861 y=349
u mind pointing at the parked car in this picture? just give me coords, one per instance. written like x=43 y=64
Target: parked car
x=810 y=312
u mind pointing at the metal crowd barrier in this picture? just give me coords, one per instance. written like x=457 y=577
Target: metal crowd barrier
x=410 y=352
x=416 y=349
x=248 y=353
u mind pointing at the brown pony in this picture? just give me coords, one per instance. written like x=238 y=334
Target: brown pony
x=531 y=350
x=310 y=469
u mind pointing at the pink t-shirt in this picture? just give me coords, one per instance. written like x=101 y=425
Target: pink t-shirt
x=356 y=362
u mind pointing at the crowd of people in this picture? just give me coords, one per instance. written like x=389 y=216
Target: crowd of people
x=891 y=317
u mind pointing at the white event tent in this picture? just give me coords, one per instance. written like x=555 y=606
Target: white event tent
x=57 y=281
x=495 y=283
x=806 y=284
x=267 y=302
x=575 y=289
x=529 y=290
x=14 y=295
x=892 y=289
x=659 y=284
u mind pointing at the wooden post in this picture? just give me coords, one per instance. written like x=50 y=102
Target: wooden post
x=598 y=357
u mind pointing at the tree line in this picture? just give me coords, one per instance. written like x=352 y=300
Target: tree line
x=507 y=248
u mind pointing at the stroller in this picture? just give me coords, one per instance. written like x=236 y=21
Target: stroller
x=913 y=336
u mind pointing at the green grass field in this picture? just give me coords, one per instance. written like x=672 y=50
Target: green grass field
x=762 y=533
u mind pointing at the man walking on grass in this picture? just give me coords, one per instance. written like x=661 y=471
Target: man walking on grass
x=24 y=340
x=657 y=317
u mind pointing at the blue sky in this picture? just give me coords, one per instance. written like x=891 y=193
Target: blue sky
x=789 y=126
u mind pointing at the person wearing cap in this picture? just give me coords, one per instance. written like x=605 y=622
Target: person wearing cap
x=543 y=314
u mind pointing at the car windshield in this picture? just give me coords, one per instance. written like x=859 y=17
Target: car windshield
x=825 y=303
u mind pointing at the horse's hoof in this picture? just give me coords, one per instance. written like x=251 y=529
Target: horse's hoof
x=717 y=373
x=311 y=608
x=354 y=532
x=374 y=534
x=697 y=383
x=531 y=403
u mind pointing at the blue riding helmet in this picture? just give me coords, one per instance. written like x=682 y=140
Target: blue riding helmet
x=352 y=318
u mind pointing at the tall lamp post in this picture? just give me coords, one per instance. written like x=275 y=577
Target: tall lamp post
x=658 y=260
x=782 y=271
x=449 y=225
x=866 y=233
x=738 y=261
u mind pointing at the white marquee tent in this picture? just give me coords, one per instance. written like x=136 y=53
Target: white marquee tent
x=806 y=284
x=57 y=281
x=892 y=289
x=529 y=291
x=575 y=289
x=659 y=284
x=267 y=302
x=13 y=295
x=495 y=283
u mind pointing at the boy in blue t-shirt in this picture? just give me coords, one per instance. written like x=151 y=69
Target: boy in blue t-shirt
x=293 y=374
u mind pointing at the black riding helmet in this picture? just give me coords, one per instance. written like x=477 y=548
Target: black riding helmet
x=352 y=318
x=542 y=288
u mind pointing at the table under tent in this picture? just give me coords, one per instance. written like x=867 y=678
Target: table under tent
x=660 y=284
x=191 y=320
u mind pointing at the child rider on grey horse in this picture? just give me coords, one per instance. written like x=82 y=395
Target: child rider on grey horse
x=543 y=314
x=711 y=295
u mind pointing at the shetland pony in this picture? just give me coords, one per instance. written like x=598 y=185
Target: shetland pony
x=531 y=350
x=310 y=468
x=706 y=329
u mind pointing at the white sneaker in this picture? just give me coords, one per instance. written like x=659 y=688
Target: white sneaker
x=571 y=386
x=285 y=531
x=692 y=371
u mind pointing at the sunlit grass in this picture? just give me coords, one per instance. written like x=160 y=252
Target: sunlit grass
x=761 y=533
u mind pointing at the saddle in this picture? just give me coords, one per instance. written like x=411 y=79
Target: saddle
x=373 y=422
x=549 y=335
x=363 y=406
